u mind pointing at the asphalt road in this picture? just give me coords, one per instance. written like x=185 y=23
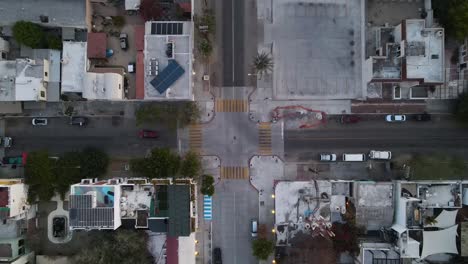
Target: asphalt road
x=438 y=136
x=233 y=208
x=116 y=135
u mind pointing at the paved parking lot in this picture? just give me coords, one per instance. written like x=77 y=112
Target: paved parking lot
x=316 y=47
x=233 y=208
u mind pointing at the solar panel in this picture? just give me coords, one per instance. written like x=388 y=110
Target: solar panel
x=168 y=76
x=165 y=28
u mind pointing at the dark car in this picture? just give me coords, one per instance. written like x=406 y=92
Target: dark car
x=148 y=134
x=58 y=226
x=217 y=256
x=422 y=117
x=78 y=121
x=349 y=119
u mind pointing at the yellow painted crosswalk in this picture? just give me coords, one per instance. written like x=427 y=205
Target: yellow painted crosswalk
x=231 y=105
x=264 y=138
x=195 y=137
x=234 y=173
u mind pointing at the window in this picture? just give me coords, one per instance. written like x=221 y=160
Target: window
x=44 y=19
x=42 y=94
x=21 y=251
x=20 y=242
x=45 y=73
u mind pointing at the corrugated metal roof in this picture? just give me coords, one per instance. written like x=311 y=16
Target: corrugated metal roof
x=179 y=210
x=97 y=43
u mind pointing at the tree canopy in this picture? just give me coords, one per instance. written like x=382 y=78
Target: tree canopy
x=262 y=248
x=263 y=64
x=207 y=187
x=161 y=163
x=39 y=176
x=453 y=15
x=150 y=10
x=94 y=163
x=172 y=115
x=28 y=33
x=437 y=167
x=119 y=246
x=191 y=165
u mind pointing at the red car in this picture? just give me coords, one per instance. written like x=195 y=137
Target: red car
x=148 y=134
x=349 y=119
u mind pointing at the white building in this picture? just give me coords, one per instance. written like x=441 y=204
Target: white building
x=13 y=199
x=77 y=77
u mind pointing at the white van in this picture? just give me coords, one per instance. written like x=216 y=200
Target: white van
x=354 y=157
x=379 y=154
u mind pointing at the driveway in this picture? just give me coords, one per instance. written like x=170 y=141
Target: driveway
x=59 y=212
x=235 y=203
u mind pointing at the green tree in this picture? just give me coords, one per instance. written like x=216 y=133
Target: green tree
x=205 y=47
x=173 y=115
x=54 y=42
x=120 y=246
x=39 y=176
x=118 y=21
x=161 y=163
x=263 y=64
x=262 y=248
x=94 y=163
x=207 y=187
x=205 y=23
x=29 y=34
x=461 y=108
x=66 y=171
x=453 y=15
x=191 y=165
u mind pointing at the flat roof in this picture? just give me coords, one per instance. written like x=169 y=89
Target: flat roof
x=73 y=66
x=97 y=45
x=374 y=204
x=179 y=210
x=59 y=13
x=428 y=63
x=166 y=41
x=7 y=80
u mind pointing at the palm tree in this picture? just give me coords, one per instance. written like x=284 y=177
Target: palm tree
x=263 y=64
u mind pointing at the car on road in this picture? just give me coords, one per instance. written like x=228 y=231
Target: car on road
x=58 y=226
x=123 y=41
x=327 y=157
x=217 y=256
x=253 y=227
x=148 y=134
x=422 y=117
x=78 y=121
x=6 y=142
x=349 y=119
x=39 y=121
x=395 y=118
x=380 y=155
x=354 y=157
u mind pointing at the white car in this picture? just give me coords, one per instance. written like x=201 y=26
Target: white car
x=327 y=157
x=395 y=118
x=380 y=155
x=39 y=121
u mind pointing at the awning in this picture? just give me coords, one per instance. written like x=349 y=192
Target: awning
x=441 y=241
x=445 y=219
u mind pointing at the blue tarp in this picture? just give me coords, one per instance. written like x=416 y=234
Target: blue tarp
x=168 y=76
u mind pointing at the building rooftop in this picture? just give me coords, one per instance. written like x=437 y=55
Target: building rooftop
x=53 y=13
x=179 y=210
x=168 y=44
x=374 y=205
x=7 y=80
x=424 y=52
x=73 y=66
x=97 y=45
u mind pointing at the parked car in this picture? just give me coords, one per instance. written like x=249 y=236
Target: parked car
x=217 y=256
x=78 y=121
x=354 y=157
x=379 y=154
x=327 y=157
x=349 y=119
x=148 y=134
x=39 y=121
x=58 y=226
x=395 y=118
x=253 y=227
x=422 y=117
x=6 y=142
x=123 y=41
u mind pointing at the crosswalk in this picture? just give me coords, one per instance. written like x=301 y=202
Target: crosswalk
x=231 y=105
x=207 y=207
x=264 y=139
x=195 y=137
x=234 y=173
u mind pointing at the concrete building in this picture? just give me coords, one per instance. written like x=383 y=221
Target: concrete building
x=408 y=60
x=13 y=199
x=49 y=13
x=165 y=64
x=81 y=78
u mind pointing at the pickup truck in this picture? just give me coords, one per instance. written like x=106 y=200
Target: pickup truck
x=6 y=142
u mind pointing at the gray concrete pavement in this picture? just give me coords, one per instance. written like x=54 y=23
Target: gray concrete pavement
x=116 y=135
x=235 y=203
x=437 y=136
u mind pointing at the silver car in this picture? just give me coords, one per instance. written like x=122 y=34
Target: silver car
x=39 y=121
x=327 y=157
x=395 y=118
